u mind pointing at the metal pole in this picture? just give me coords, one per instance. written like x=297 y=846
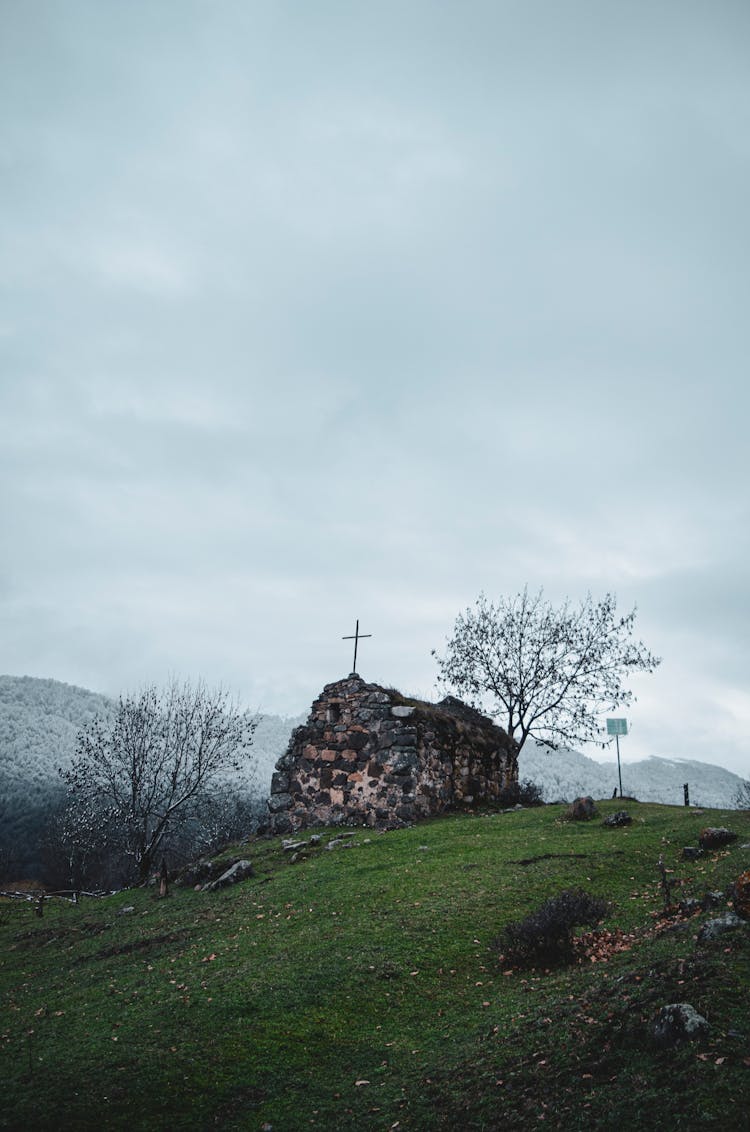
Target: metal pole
x=356 y=642
x=619 y=771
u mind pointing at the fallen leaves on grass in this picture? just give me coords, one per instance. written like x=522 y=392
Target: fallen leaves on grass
x=597 y=946
x=600 y=945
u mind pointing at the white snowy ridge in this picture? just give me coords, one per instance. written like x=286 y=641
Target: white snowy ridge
x=566 y=774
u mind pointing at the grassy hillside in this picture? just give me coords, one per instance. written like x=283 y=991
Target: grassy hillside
x=359 y=989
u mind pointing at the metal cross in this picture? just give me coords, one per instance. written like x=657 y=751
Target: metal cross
x=356 y=638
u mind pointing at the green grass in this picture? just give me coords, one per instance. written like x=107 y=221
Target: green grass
x=274 y=1001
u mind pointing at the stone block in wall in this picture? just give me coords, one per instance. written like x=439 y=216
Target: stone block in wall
x=279 y=802
x=404 y=760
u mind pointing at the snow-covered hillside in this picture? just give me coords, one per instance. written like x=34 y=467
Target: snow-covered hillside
x=269 y=743
x=39 y=723
x=566 y=774
x=40 y=719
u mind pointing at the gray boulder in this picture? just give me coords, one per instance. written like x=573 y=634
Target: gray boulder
x=714 y=929
x=279 y=802
x=622 y=817
x=582 y=809
x=679 y=1022
x=200 y=873
x=342 y=842
x=237 y=872
x=715 y=837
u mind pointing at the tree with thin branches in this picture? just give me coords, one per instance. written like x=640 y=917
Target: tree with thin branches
x=546 y=672
x=151 y=767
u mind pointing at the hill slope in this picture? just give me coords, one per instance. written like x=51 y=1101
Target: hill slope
x=360 y=989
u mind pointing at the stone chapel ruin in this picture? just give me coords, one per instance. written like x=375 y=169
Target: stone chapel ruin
x=369 y=756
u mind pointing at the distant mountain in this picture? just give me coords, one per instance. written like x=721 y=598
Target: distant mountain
x=39 y=723
x=269 y=743
x=566 y=774
x=40 y=719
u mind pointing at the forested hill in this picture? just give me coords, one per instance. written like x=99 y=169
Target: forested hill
x=40 y=719
x=39 y=723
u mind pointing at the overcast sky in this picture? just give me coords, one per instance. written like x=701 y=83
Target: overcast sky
x=321 y=311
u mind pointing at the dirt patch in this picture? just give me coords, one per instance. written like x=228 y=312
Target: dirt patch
x=40 y=937
x=551 y=857
x=136 y=945
x=563 y=857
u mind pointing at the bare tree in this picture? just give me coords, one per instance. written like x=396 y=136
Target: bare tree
x=545 y=672
x=149 y=768
x=83 y=846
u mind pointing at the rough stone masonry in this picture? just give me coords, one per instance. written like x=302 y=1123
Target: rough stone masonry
x=369 y=756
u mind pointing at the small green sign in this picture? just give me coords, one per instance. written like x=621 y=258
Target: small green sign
x=617 y=726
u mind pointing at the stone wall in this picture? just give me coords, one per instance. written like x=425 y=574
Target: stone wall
x=368 y=755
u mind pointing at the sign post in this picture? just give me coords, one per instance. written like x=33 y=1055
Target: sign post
x=618 y=727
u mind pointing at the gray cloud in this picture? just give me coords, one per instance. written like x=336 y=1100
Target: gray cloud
x=357 y=311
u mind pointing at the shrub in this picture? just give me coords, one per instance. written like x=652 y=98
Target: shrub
x=546 y=935
x=529 y=794
x=524 y=793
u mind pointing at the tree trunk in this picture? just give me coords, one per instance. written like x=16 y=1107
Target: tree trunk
x=163 y=879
